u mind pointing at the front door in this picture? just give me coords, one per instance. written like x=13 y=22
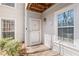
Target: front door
x=34 y=31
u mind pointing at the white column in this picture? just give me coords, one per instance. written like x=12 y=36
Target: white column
x=0 y=27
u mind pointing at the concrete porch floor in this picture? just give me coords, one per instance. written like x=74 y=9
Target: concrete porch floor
x=41 y=50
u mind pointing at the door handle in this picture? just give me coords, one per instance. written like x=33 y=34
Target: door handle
x=26 y=28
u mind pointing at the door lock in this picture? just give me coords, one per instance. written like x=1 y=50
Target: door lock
x=26 y=28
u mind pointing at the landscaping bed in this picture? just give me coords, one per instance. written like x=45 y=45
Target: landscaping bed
x=10 y=47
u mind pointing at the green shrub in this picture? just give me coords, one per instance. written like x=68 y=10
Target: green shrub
x=12 y=47
x=3 y=41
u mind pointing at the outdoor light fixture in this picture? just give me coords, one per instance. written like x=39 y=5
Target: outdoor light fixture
x=44 y=19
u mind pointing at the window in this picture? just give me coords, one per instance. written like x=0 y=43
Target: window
x=9 y=4
x=66 y=26
x=66 y=18
x=7 y=28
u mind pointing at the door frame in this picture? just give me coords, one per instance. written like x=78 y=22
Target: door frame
x=27 y=31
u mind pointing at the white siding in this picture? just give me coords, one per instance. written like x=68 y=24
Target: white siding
x=14 y=13
x=50 y=29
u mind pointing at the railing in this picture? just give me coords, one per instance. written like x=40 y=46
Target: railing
x=60 y=44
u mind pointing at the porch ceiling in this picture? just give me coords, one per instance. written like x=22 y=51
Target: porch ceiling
x=38 y=7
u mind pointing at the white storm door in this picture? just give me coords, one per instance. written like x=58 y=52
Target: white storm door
x=34 y=31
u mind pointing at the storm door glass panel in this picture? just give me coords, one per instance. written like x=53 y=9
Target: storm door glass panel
x=7 y=29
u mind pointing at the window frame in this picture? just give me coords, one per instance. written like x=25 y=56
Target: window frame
x=9 y=6
x=61 y=27
x=7 y=20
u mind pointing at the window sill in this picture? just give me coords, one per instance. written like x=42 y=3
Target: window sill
x=8 y=6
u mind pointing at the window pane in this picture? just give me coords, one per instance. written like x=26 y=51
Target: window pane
x=60 y=33
x=70 y=18
x=70 y=34
x=65 y=38
x=60 y=20
x=9 y=4
x=66 y=18
x=66 y=34
x=8 y=28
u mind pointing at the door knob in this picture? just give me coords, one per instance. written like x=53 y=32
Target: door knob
x=26 y=28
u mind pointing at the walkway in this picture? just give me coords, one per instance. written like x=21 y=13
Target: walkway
x=41 y=50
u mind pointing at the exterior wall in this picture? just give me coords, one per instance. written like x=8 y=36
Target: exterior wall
x=17 y=14
x=50 y=26
x=20 y=15
x=28 y=15
x=50 y=30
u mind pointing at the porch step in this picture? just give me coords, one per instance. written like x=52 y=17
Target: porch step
x=36 y=49
x=45 y=53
